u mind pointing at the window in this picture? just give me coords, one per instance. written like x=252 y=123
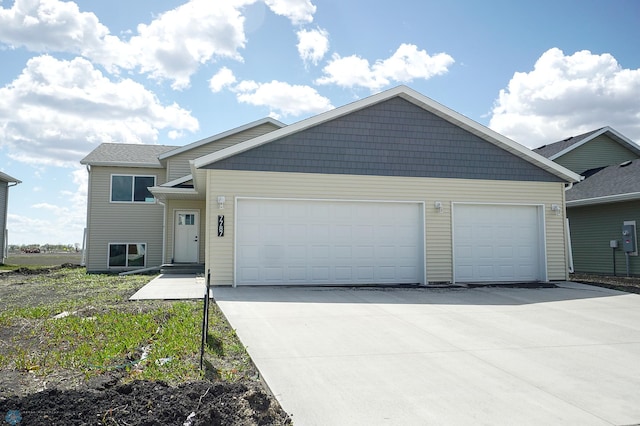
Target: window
x=127 y=255
x=132 y=189
x=186 y=219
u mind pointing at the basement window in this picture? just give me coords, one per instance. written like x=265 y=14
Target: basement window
x=125 y=255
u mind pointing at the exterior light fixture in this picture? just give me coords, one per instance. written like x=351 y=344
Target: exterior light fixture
x=555 y=208
x=438 y=206
x=221 y=201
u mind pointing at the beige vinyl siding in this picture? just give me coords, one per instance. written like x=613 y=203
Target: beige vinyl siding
x=4 y=194
x=438 y=229
x=121 y=222
x=178 y=165
x=592 y=227
x=599 y=152
x=172 y=207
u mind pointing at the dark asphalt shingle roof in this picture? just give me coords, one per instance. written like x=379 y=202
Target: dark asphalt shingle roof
x=612 y=180
x=122 y=154
x=556 y=147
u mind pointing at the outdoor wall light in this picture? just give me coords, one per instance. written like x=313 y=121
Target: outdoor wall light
x=555 y=208
x=221 y=201
x=438 y=206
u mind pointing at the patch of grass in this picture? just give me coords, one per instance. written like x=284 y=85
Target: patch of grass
x=103 y=331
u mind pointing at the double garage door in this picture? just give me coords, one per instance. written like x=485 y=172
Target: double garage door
x=294 y=242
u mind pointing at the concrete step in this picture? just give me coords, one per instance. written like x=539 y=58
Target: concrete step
x=182 y=268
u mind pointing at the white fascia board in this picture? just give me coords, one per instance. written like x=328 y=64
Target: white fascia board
x=219 y=136
x=122 y=164
x=417 y=99
x=619 y=137
x=631 y=196
x=178 y=181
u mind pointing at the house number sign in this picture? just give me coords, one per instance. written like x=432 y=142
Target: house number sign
x=220 y=225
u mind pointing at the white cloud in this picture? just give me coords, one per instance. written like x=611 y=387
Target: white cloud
x=282 y=98
x=313 y=45
x=56 y=111
x=42 y=25
x=221 y=79
x=175 y=44
x=298 y=11
x=405 y=65
x=565 y=95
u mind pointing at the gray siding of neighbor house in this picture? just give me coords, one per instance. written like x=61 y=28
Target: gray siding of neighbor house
x=592 y=227
x=4 y=193
x=178 y=165
x=598 y=152
x=121 y=222
x=392 y=138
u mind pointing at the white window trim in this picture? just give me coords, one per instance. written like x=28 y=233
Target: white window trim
x=155 y=179
x=146 y=251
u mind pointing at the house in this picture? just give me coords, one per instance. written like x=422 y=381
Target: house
x=608 y=198
x=393 y=188
x=6 y=182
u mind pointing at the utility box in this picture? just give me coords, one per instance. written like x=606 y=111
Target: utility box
x=613 y=244
x=628 y=238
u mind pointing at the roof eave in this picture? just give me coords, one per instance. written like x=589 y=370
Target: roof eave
x=615 y=198
x=219 y=136
x=120 y=164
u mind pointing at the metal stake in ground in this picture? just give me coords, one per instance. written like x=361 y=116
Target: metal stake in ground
x=205 y=318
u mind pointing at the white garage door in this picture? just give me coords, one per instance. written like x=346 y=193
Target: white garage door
x=498 y=243
x=328 y=242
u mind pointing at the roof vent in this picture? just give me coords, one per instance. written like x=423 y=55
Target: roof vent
x=626 y=163
x=567 y=139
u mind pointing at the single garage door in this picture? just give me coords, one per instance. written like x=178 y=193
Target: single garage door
x=294 y=242
x=498 y=243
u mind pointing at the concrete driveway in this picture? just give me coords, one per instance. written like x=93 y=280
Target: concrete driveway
x=483 y=356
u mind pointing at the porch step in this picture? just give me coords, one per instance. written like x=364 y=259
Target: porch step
x=182 y=268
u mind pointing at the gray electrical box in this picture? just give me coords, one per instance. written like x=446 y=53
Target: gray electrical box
x=613 y=244
x=628 y=238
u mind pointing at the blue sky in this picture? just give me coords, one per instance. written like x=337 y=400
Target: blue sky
x=76 y=74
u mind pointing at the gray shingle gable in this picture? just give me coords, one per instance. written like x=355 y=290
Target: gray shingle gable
x=391 y=138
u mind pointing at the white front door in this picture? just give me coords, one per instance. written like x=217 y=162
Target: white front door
x=187 y=233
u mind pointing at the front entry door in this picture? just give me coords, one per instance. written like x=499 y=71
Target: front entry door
x=186 y=236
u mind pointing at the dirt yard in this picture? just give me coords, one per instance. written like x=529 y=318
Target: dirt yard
x=35 y=391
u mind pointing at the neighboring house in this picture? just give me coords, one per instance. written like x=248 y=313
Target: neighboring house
x=6 y=182
x=608 y=198
x=393 y=188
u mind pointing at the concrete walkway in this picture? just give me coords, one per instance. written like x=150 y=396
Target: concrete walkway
x=172 y=287
x=486 y=356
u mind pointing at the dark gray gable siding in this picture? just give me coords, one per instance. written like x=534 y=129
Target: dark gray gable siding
x=392 y=138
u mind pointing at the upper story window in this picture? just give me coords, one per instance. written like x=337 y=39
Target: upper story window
x=132 y=189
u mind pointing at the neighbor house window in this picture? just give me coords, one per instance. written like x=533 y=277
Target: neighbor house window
x=127 y=255
x=132 y=189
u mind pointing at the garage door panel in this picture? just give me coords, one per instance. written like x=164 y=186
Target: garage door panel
x=497 y=243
